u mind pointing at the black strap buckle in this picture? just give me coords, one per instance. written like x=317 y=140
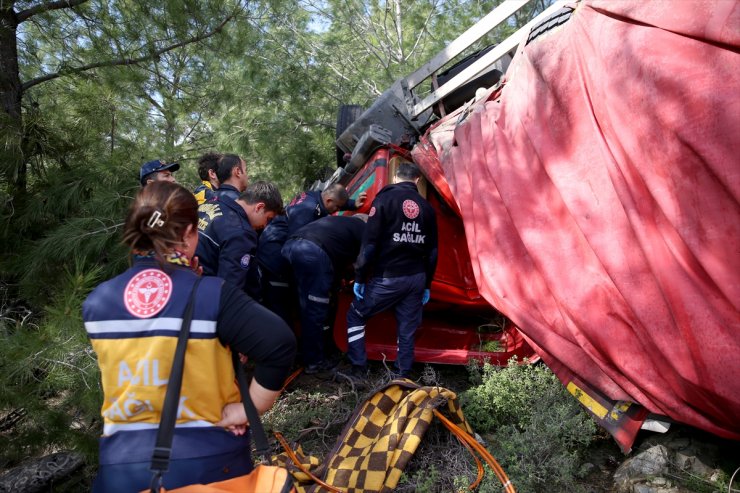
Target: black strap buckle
x=160 y=459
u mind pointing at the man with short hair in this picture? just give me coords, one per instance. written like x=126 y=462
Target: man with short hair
x=228 y=234
x=309 y=206
x=157 y=170
x=318 y=253
x=207 y=166
x=231 y=172
x=397 y=261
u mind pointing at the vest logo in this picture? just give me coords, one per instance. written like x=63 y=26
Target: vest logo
x=245 y=261
x=372 y=211
x=147 y=293
x=410 y=209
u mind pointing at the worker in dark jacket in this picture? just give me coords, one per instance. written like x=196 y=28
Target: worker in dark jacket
x=304 y=208
x=277 y=285
x=318 y=252
x=395 y=267
x=228 y=237
x=232 y=176
x=207 y=167
x=309 y=206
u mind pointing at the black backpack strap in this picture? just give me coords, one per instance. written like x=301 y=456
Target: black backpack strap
x=255 y=424
x=163 y=446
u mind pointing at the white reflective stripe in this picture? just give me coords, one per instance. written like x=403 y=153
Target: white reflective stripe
x=147 y=325
x=209 y=238
x=279 y=284
x=355 y=328
x=110 y=428
x=359 y=336
x=318 y=299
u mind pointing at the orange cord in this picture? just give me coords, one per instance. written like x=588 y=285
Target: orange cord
x=291 y=377
x=490 y=460
x=299 y=465
x=479 y=476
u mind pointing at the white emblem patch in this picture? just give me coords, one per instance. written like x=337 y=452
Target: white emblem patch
x=147 y=293
x=410 y=209
x=372 y=211
x=245 y=261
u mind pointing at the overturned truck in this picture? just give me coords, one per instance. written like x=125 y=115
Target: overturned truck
x=586 y=176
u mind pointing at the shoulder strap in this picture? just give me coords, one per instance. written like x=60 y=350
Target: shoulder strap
x=163 y=446
x=255 y=424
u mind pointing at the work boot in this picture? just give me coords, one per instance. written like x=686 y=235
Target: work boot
x=320 y=367
x=397 y=375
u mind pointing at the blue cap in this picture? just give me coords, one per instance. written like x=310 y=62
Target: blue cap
x=156 y=165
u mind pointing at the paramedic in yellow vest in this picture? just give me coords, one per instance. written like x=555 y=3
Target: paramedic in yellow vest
x=133 y=322
x=207 y=166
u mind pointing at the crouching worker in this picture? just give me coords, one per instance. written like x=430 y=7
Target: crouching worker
x=133 y=321
x=318 y=252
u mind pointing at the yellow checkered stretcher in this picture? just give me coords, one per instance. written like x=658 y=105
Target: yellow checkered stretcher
x=379 y=440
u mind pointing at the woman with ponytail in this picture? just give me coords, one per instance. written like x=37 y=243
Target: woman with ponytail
x=133 y=322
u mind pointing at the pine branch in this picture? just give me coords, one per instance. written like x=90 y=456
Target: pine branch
x=127 y=61
x=24 y=15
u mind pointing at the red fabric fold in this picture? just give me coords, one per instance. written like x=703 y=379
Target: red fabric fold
x=601 y=201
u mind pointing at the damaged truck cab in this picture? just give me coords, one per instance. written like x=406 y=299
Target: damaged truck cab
x=590 y=195
x=458 y=324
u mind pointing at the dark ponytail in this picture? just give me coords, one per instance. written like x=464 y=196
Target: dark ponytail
x=158 y=217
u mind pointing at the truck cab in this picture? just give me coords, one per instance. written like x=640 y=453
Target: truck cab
x=458 y=323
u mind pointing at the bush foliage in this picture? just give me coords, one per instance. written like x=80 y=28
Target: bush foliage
x=537 y=431
x=50 y=378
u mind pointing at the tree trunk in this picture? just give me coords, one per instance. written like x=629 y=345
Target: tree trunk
x=169 y=134
x=112 y=129
x=11 y=119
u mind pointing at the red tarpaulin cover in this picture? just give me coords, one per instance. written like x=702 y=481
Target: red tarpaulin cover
x=600 y=198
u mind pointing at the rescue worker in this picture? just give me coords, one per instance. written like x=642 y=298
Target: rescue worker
x=312 y=205
x=304 y=208
x=157 y=170
x=275 y=272
x=207 y=166
x=133 y=322
x=318 y=253
x=232 y=176
x=228 y=234
x=395 y=267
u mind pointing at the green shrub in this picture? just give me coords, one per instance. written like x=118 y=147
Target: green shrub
x=426 y=480
x=538 y=432
x=505 y=395
x=48 y=373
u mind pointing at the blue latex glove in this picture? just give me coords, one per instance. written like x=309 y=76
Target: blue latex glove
x=425 y=298
x=359 y=290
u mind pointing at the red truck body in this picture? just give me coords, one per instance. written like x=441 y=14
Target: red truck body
x=592 y=197
x=459 y=324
